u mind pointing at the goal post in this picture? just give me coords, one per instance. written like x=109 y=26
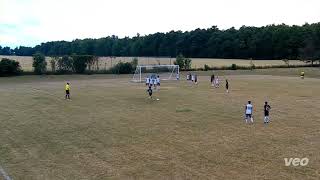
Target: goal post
x=165 y=72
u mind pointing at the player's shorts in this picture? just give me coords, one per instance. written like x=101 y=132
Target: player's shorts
x=67 y=92
x=248 y=115
x=158 y=84
x=150 y=93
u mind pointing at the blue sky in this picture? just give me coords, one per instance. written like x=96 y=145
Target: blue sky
x=30 y=22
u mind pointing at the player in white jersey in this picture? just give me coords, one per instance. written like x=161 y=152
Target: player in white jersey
x=154 y=83
x=195 y=79
x=249 y=111
x=217 y=83
x=147 y=81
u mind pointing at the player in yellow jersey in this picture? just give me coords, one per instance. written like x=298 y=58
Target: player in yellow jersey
x=302 y=75
x=67 y=91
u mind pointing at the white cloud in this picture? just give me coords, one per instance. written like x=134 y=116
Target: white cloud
x=36 y=21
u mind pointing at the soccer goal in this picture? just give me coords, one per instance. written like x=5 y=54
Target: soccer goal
x=165 y=72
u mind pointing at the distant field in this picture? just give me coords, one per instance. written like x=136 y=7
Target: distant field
x=107 y=62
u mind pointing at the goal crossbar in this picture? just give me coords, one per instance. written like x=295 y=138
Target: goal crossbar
x=166 y=72
x=162 y=65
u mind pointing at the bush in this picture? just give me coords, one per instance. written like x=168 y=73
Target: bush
x=39 y=63
x=93 y=64
x=184 y=63
x=187 y=63
x=53 y=63
x=134 y=63
x=252 y=65
x=122 y=68
x=206 y=67
x=65 y=64
x=80 y=62
x=233 y=67
x=179 y=61
x=126 y=68
x=9 y=67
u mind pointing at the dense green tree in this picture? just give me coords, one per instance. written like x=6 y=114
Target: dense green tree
x=53 y=63
x=179 y=61
x=81 y=62
x=39 y=63
x=267 y=42
x=184 y=63
x=9 y=67
x=65 y=64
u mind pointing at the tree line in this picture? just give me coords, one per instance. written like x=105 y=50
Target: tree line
x=267 y=42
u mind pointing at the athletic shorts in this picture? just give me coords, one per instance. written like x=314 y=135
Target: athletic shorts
x=248 y=115
x=158 y=84
x=150 y=94
x=67 y=92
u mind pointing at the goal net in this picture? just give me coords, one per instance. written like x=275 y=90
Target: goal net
x=165 y=72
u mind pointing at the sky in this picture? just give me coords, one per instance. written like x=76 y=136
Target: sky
x=31 y=22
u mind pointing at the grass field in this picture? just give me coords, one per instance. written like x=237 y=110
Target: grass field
x=110 y=129
x=107 y=62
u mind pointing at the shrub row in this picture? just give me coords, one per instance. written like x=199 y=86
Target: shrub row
x=236 y=67
x=63 y=65
x=83 y=64
x=79 y=64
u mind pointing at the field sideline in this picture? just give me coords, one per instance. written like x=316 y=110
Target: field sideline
x=110 y=129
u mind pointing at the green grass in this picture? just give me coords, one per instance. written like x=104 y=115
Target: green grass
x=110 y=129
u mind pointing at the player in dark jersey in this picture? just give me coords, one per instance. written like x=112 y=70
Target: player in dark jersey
x=212 y=80
x=150 y=91
x=227 y=85
x=266 y=108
